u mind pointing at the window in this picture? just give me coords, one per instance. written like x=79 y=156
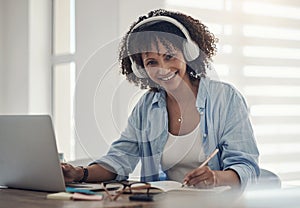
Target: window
x=63 y=74
x=259 y=53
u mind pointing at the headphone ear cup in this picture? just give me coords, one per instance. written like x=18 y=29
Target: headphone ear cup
x=138 y=71
x=190 y=50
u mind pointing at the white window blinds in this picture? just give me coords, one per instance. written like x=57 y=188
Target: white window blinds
x=259 y=52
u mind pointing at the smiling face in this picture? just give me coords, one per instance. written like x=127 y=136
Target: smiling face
x=166 y=67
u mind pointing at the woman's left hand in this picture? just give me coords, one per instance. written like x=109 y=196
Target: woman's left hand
x=202 y=177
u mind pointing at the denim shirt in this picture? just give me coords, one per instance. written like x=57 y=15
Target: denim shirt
x=224 y=122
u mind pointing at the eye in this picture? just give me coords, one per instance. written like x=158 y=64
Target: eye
x=150 y=63
x=169 y=56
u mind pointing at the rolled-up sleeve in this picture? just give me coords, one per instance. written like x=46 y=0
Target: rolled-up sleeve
x=237 y=141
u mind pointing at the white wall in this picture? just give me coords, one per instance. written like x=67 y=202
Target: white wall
x=102 y=100
x=15 y=48
x=25 y=73
x=96 y=28
x=1 y=55
x=130 y=10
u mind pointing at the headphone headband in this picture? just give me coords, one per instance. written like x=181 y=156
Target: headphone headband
x=155 y=19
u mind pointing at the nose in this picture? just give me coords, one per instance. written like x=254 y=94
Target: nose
x=163 y=68
x=163 y=71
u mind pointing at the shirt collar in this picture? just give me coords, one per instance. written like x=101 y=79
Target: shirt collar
x=159 y=98
x=202 y=93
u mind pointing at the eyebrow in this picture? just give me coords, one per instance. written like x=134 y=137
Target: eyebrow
x=163 y=54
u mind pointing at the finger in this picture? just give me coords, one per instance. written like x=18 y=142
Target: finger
x=205 y=174
x=63 y=165
x=208 y=184
x=66 y=167
x=211 y=179
x=204 y=184
x=206 y=181
x=194 y=173
x=197 y=180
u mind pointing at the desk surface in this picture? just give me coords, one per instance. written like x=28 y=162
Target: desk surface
x=260 y=198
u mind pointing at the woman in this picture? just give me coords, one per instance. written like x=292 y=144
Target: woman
x=183 y=117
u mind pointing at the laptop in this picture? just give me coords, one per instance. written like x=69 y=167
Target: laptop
x=28 y=153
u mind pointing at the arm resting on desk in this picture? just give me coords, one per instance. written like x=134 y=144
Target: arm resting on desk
x=96 y=173
x=227 y=178
x=99 y=173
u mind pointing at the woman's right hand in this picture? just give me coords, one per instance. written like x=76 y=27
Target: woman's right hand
x=71 y=173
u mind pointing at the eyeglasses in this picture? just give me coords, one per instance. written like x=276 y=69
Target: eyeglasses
x=114 y=189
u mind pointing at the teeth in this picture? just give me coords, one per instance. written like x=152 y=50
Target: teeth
x=169 y=77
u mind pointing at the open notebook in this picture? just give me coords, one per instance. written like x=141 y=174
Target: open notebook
x=166 y=186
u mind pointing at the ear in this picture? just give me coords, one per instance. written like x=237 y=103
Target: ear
x=138 y=71
x=190 y=50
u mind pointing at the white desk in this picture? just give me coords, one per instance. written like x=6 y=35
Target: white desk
x=288 y=198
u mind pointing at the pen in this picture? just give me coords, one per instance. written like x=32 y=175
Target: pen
x=204 y=163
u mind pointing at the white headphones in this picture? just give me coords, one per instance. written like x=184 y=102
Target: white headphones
x=190 y=48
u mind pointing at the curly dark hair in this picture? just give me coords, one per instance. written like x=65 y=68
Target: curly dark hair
x=133 y=45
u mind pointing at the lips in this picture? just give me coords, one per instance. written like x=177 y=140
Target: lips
x=169 y=76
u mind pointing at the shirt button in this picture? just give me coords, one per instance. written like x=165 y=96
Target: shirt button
x=204 y=135
x=201 y=113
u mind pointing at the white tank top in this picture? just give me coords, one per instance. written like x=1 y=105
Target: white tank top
x=182 y=154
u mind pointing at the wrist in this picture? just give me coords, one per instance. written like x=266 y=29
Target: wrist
x=216 y=178
x=82 y=174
